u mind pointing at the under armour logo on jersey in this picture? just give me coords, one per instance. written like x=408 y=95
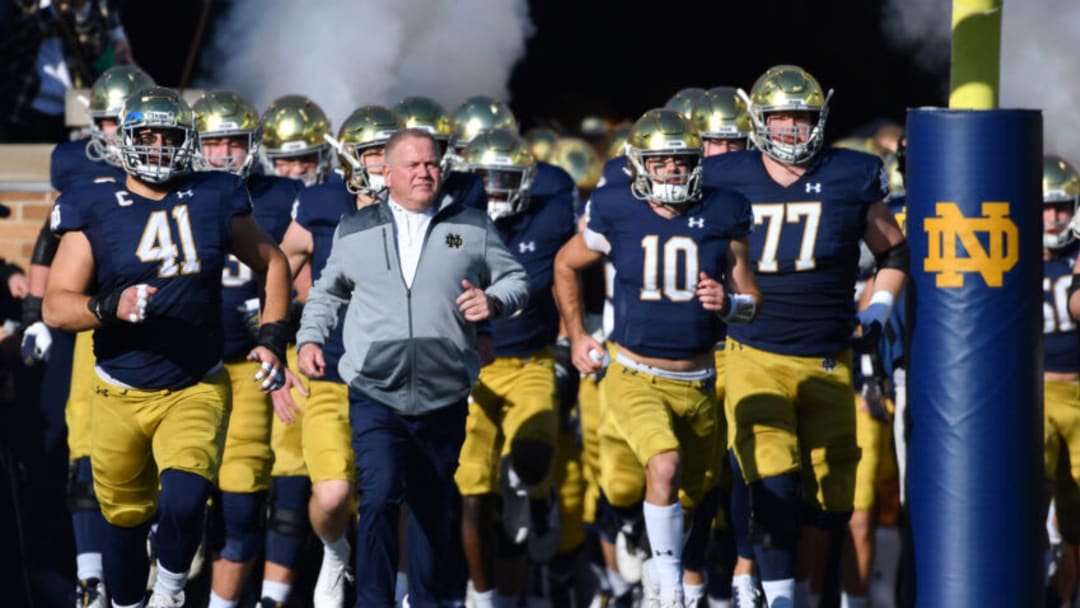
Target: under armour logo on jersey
x=813 y=187
x=454 y=241
x=696 y=222
x=184 y=193
x=530 y=247
x=828 y=364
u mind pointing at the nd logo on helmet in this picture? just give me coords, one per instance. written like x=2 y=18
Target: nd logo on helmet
x=951 y=225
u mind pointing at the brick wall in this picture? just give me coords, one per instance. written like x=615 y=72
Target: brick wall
x=19 y=230
x=24 y=187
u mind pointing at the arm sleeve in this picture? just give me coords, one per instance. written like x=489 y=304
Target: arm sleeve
x=509 y=283
x=45 y=247
x=328 y=296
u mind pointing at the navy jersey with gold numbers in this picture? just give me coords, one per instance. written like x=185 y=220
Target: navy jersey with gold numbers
x=69 y=165
x=535 y=236
x=805 y=246
x=272 y=198
x=1061 y=345
x=178 y=245
x=657 y=261
x=319 y=210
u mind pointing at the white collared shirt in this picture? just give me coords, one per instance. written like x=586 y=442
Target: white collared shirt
x=411 y=228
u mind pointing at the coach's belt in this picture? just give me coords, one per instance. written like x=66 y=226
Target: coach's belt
x=690 y=376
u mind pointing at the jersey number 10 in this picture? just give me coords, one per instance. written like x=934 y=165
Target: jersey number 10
x=675 y=248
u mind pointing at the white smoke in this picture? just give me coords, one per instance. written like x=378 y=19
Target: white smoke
x=347 y=53
x=1039 y=47
x=1040 y=43
x=923 y=29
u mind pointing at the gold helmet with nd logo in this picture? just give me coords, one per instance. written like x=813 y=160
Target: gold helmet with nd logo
x=503 y=161
x=658 y=139
x=575 y=156
x=721 y=119
x=787 y=90
x=685 y=100
x=361 y=141
x=1061 y=192
x=419 y=112
x=157 y=135
x=476 y=114
x=229 y=133
x=294 y=131
x=541 y=141
x=107 y=96
x=619 y=135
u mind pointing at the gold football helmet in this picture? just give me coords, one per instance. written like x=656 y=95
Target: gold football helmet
x=366 y=128
x=541 y=140
x=425 y=113
x=684 y=100
x=721 y=114
x=295 y=126
x=479 y=113
x=619 y=135
x=896 y=178
x=504 y=163
x=858 y=144
x=221 y=114
x=1061 y=187
x=580 y=160
x=665 y=133
x=162 y=110
x=107 y=96
x=787 y=88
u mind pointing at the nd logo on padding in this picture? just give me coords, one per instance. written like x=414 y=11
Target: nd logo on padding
x=951 y=225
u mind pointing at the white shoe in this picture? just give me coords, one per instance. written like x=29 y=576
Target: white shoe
x=756 y=600
x=329 y=589
x=160 y=600
x=628 y=558
x=91 y=594
x=650 y=590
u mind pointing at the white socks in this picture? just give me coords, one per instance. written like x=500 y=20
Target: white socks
x=88 y=566
x=618 y=584
x=781 y=593
x=216 y=601
x=692 y=594
x=851 y=601
x=169 y=583
x=484 y=599
x=338 y=549
x=279 y=592
x=664 y=525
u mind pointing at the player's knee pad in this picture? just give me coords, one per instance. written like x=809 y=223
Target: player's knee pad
x=244 y=516
x=531 y=459
x=505 y=547
x=774 y=511
x=289 y=522
x=80 y=487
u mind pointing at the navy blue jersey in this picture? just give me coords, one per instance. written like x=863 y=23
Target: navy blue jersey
x=273 y=199
x=1061 y=345
x=535 y=236
x=319 y=210
x=657 y=261
x=178 y=245
x=615 y=173
x=69 y=165
x=805 y=246
x=467 y=188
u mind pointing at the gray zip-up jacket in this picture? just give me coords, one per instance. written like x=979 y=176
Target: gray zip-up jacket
x=410 y=348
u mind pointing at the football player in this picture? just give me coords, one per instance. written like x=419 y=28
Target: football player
x=293 y=140
x=153 y=248
x=672 y=243
x=327 y=450
x=1061 y=362
x=80 y=161
x=789 y=391
x=511 y=428
x=228 y=127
